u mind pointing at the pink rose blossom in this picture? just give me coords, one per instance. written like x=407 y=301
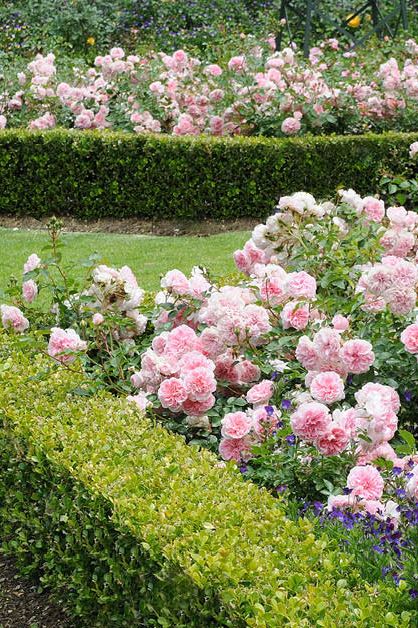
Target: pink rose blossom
x=366 y=482
x=409 y=338
x=333 y=440
x=199 y=383
x=296 y=315
x=301 y=285
x=310 y=420
x=374 y=208
x=63 y=343
x=261 y=393
x=327 y=387
x=340 y=323
x=97 y=318
x=236 y=425
x=141 y=400
x=172 y=393
x=357 y=355
x=13 y=318
x=236 y=448
x=29 y=290
x=31 y=263
x=197 y=408
x=291 y=126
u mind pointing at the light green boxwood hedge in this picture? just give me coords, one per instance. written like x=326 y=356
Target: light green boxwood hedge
x=135 y=528
x=95 y=174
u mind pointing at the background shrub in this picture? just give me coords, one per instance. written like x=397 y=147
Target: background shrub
x=94 y=174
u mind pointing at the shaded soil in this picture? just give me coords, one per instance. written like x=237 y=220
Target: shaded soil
x=21 y=606
x=135 y=225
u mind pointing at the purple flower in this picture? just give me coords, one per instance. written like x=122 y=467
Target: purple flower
x=413 y=593
x=286 y=404
x=396 y=470
x=269 y=410
x=407 y=395
x=281 y=488
x=291 y=439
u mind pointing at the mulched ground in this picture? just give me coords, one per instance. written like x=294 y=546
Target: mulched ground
x=21 y=606
x=135 y=225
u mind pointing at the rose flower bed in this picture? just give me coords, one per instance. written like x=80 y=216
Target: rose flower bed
x=302 y=373
x=257 y=92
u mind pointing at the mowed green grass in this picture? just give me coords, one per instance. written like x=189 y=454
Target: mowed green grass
x=148 y=256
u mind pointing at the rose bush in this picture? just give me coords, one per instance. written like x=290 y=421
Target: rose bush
x=258 y=91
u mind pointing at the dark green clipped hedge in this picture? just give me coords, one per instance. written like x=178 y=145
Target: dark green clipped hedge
x=135 y=528
x=95 y=174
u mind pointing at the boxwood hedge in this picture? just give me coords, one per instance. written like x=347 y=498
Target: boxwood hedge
x=138 y=529
x=95 y=174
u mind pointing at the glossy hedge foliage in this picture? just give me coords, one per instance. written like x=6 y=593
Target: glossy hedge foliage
x=95 y=174
x=139 y=529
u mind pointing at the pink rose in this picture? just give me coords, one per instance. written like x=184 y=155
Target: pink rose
x=412 y=484
x=366 y=482
x=373 y=208
x=172 y=393
x=402 y=300
x=291 y=126
x=236 y=425
x=301 y=285
x=199 y=383
x=31 y=263
x=181 y=340
x=409 y=338
x=237 y=64
x=333 y=441
x=236 y=448
x=357 y=355
x=413 y=150
x=295 y=315
x=213 y=69
x=97 y=319
x=12 y=318
x=261 y=393
x=310 y=420
x=306 y=354
x=29 y=290
x=197 y=408
x=176 y=281
x=63 y=343
x=340 y=323
x=327 y=387
x=141 y=400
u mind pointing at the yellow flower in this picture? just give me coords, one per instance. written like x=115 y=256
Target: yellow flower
x=353 y=21
x=91 y=41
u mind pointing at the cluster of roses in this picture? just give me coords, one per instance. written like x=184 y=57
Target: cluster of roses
x=390 y=283
x=242 y=430
x=182 y=296
x=366 y=428
x=273 y=242
x=181 y=95
x=178 y=371
x=329 y=360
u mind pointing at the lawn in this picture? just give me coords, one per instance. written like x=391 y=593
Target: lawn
x=148 y=256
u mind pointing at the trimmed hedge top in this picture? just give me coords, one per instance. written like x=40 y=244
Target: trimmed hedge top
x=95 y=174
x=227 y=537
